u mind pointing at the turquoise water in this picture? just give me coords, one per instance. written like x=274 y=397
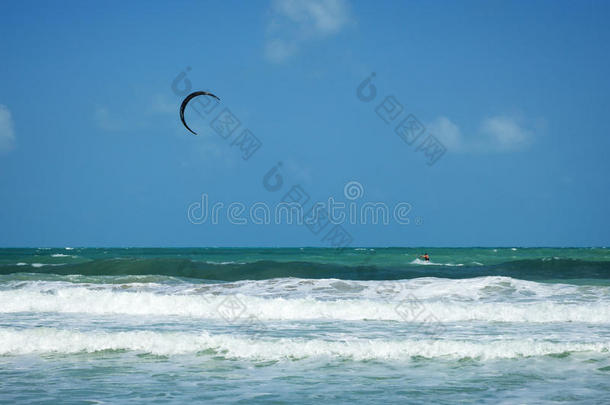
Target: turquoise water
x=504 y=325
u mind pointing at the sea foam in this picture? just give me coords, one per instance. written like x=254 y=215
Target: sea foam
x=50 y=340
x=205 y=305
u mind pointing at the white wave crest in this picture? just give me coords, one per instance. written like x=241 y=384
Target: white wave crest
x=410 y=309
x=431 y=263
x=50 y=340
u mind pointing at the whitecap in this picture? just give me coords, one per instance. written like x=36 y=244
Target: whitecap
x=51 y=340
x=493 y=299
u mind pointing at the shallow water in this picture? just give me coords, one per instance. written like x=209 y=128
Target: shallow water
x=104 y=329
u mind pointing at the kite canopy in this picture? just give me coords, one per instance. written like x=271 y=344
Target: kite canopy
x=189 y=98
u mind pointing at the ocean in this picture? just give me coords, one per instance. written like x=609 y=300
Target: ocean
x=305 y=325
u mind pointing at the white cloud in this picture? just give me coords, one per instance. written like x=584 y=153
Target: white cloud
x=315 y=17
x=495 y=134
x=163 y=105
x=505 y=133
x=295 y=22
x=7 y=129
x=448 y=133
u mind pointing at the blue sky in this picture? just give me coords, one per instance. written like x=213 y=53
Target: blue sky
x=92 y=151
